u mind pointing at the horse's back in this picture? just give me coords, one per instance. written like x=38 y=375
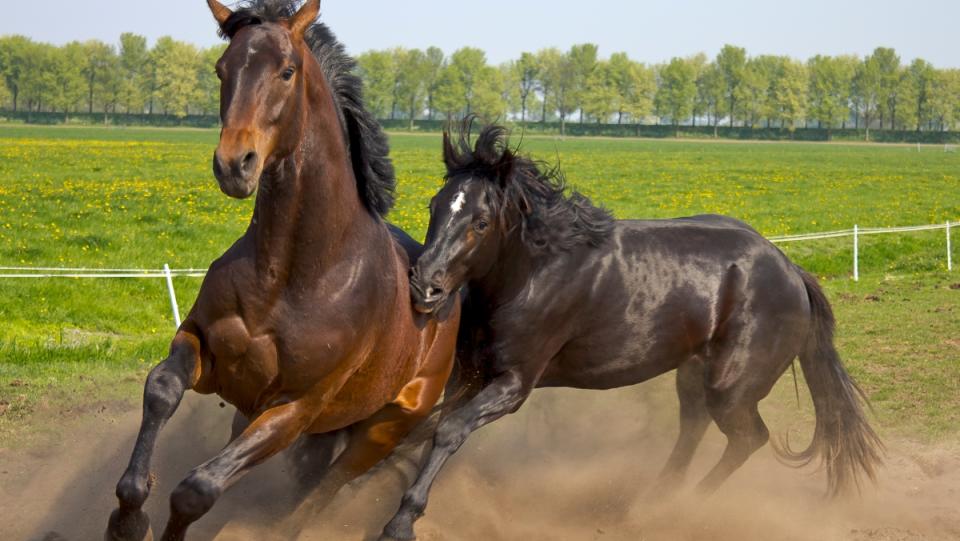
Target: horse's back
x=653 y=296
x=709 y=238
x=717 y=220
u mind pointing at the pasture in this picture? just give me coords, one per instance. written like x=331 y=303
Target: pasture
x=74 y=352
x=122 y=198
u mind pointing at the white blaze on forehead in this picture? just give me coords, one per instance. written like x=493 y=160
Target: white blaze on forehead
x=458 y=201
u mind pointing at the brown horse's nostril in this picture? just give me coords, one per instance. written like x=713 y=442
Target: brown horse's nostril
x=249 y=163
x=218 y=167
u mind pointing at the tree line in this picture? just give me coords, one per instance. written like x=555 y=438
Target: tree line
x=733 y=89
x=172 y=77
x=730 y=89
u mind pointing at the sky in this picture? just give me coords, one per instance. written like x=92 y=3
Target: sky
x=648 y=31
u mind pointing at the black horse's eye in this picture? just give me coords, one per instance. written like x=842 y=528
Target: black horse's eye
x=287 y=74
x=481 y=226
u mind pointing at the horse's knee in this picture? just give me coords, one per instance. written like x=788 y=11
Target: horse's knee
x=193 y=497
x=162 y=392
x=450 y=435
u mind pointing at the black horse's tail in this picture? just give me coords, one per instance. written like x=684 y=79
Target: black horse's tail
x=843 y=439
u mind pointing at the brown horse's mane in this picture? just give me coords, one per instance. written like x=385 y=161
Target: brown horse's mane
x=369 y=152
x=551 y=220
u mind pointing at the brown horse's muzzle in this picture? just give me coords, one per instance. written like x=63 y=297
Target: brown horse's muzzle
x=237 y=164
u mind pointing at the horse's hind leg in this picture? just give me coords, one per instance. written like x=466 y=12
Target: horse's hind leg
x=694 y=420
x=745 y=431
x=737 y=379
x=372 y=440
x=162 y=393
x=311 y=457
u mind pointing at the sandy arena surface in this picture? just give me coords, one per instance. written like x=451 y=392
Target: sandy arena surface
x=572 y=465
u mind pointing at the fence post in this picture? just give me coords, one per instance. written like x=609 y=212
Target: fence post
x=949 y=249
x=173 y=295
x=856 y=253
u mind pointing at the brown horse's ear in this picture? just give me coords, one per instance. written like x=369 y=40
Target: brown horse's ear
x=449 y=153
x=305 y=16
x=220 y=12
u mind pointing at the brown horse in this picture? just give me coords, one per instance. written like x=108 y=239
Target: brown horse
x=305 y=323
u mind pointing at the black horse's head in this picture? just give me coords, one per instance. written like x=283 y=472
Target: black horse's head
x=466 y=224
x=496 y=204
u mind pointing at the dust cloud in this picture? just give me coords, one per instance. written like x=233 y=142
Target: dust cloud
x=571 y=465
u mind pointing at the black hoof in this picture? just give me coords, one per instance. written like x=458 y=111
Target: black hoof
x=128 y=526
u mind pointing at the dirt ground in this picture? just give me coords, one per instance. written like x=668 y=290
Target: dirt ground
x=572 y=465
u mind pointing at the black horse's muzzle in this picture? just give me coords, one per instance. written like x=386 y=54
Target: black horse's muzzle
x=427 y=295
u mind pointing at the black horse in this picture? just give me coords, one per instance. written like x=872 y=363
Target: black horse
x=561 y=295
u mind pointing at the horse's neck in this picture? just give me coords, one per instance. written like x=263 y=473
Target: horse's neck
x=308 y=213
x=509 y=276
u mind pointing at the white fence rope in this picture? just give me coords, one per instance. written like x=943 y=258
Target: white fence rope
x=168 y=274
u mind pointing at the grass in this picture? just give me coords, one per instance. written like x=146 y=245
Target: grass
x=134 y=197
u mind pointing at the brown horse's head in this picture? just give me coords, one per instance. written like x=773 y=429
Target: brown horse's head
x=262 y=93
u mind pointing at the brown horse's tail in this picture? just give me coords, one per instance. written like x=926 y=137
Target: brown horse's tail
x=843 y=439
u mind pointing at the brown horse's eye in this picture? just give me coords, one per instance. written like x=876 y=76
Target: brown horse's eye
x=481 y=226
x=287 y=74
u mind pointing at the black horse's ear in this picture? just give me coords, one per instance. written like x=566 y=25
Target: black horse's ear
x=220 y=12
x=449 y=153
x=504 y=167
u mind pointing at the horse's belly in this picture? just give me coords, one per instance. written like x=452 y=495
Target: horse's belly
x=610 y=375
x=368 y=391
x=607 y=363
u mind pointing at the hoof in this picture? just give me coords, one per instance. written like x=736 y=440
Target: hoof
x=128 y=526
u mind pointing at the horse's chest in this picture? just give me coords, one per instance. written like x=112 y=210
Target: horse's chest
x=284 y=357
x=244 y=365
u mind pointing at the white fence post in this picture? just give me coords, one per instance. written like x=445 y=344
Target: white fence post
x=173 y=295
x=949 y=249
x=856 y=253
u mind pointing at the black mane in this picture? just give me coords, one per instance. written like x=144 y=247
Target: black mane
x=551 y=220
x=369 y=152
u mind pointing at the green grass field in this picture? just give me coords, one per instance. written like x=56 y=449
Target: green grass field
x=104 y=198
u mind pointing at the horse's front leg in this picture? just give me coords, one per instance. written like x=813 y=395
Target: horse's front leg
x=162 y=393
x=370 y=441
x=503 y=395
x=374 y=439
x=273 y=431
